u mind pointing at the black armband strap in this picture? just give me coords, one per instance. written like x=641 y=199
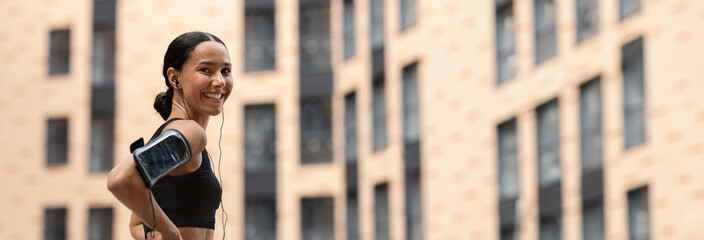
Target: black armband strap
x=161 y=155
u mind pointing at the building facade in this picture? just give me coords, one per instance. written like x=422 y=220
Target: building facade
x=370 y=119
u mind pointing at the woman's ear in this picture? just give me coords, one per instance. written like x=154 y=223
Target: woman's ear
x=173 y=75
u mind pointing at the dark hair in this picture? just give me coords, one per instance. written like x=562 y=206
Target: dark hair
x=176 y=55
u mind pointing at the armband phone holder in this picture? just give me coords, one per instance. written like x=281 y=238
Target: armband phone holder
x=161 y=155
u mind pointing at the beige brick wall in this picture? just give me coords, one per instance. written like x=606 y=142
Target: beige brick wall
x=460 y=106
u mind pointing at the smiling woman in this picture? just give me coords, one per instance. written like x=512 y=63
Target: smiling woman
x=197 y=75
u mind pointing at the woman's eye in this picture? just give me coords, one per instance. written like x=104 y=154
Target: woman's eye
x=205 y=70
x=226 y=71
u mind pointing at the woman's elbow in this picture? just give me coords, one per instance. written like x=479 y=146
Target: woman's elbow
x=116 y=182
x=121 y=181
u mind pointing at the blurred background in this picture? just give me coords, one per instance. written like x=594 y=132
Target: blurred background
x=370 y=119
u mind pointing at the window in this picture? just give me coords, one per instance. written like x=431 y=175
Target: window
x=508 y=160
x=260 y=35
x=103 y=66
x=587 y=19
x=377 y=24
x=545 y=35
x=348 y=39
x=408 y=14
x=102 y=86
x=351 y=127
x=638 y=214
x=381 y=212
x=260 y=219
x=379 y=114
x=633 y=93
x=317 y=218
x=315 y=82
x=548 y=143
x=505 y=41
x=101 y=144
x=591 y=152
x=351 y=166
x=103 y=55
x=590 y=124
x=508 y=178
x=59 y=51
x=314 y=45
x=414 y=208
x=508 y=235
x=411 y=121
x=56 y=141
x=627 y=8
x=593 y=221
x=550 y=228
x=549 y=172
x=352 y=217
x=100 y=224
x=316 y=130
x=260 y=171
x=411 y=155
x=260 y=137
x=55 y=224
x=378 y=74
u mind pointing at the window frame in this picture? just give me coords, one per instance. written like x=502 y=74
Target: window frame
x=254 y=120
x=58 y=52
x=634 y=93
x=348 y=29
x=52 y=140
x=504 y=56
x=548 y=144
x=623 y=13
x=314 y=208
x=49 y=227
x=382 y=220
x=508 y=127
x=99 y=213
x=320 y=126
x=583 y=9
x=255 y=11
x=103 y=70
x=507 y=202
x=639 y=196
x=351 y=127
x=353 y=229
x=545 y=31
x=259 y=205
x=408 y=14
x=379 y=115
x=591 y=127
x=102 y=162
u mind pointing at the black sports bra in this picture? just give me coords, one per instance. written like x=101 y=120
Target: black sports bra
x=189 y=200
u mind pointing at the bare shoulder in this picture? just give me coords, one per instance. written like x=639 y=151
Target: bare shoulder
x=194 y=133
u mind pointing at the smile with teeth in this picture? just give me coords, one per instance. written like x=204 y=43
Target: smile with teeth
x=216 y=96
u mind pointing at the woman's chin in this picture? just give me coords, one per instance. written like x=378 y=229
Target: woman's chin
x=216 y=111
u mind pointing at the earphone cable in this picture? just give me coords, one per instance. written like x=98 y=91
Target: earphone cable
x=224 y=215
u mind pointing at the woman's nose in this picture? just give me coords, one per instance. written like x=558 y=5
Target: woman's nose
x=218 y=80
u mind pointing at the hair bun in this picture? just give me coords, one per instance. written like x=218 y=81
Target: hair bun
x=162 y=103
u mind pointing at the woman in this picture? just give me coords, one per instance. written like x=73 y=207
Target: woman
x=197 y=74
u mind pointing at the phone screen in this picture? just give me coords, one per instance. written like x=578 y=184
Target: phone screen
x=163 y=157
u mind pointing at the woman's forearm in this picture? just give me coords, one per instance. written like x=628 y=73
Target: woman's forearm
x=136 y=229
x=127 y=186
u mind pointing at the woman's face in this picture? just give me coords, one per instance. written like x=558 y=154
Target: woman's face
x=205 y=79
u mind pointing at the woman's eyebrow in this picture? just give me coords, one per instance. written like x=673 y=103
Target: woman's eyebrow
x=206 y=62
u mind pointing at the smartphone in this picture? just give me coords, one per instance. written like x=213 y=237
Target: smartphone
x=162 y=155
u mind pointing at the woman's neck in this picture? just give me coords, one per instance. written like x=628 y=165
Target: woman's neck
x=178 y=110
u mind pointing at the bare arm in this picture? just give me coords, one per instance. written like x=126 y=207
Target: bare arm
x=128 y=187
x=126 y=184
x=136 y=229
